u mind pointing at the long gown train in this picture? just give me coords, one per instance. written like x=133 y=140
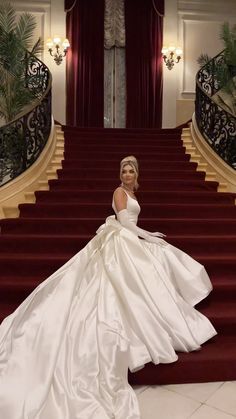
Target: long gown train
x=117 y=304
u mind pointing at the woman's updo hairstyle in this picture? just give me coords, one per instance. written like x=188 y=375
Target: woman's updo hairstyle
x=133 y=162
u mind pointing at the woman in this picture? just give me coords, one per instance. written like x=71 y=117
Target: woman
x=119 y=303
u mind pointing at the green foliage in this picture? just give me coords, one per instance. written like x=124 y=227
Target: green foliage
x=14 y=96
x=15 y=39
x=228 y=36
x=7 y=17
x=225 y=72
x=203 y=59
x=24 y=30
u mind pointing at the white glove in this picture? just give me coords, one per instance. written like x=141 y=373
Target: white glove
x=123 y=218
x=157 y=234
x=157 y=240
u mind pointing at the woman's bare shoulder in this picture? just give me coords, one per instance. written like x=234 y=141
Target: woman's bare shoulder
x=119 y=192
x=120 y=198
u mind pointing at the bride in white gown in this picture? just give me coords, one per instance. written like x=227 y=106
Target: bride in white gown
x=119 y=303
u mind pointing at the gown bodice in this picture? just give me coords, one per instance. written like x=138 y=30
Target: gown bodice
x=133 y=208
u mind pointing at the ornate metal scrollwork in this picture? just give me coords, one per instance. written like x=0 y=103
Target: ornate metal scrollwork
x=23 y=139
x=217 y=125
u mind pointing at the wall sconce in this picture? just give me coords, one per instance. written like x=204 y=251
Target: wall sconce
x=171 y=55
x=57 y=49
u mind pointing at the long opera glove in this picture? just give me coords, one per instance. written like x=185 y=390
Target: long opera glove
x=123 y=218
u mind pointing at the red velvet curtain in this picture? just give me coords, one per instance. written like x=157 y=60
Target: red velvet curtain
x=69 y=4
x=85 y=63
x=144 y=35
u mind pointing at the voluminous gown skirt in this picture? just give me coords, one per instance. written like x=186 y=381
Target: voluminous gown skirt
x=117 y=304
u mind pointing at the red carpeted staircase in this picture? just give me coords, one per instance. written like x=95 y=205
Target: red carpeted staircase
x=175 y=199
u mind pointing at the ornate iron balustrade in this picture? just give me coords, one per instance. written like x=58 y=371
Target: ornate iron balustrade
x=23 y=139
x=217 y=126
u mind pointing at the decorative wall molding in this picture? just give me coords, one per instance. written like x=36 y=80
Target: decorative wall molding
x=31 y=4
x=199 y=36
x=210 y=6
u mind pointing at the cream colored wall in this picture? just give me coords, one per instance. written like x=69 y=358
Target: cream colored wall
x=170 y=77
x=50 y=18
x=194 y=25
x=58 y=27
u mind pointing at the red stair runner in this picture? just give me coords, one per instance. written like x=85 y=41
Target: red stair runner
x=175 y=199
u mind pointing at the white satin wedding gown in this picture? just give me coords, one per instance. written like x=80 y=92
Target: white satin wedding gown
x=117 y=304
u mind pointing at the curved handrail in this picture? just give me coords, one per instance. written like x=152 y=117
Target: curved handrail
x=216 y=125
x=23 y=139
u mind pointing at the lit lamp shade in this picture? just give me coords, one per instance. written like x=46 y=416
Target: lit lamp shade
x=65 y=44
x=178 y=51
x=57 y=40
x=164 y=50
x=49 y=43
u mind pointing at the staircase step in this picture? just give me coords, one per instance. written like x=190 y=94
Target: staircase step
x=68 y=171
x=116 y=157
x=202 y=166
x=14 y=289
x=123 y=136
x=41 y=245
x=224 y=289
x=121 y=133
x=210 y=176
x=160 y=184
x=27 y=263
x=73 y=226
x=131 y=144
x=43 y=185
x=107 y=152
x=146 y=167
x=210 y=245
x=200 y=211
x=218 y=266
x=51 y=174
x=172 y=197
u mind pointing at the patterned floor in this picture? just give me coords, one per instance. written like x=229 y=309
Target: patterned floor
x=183 y=401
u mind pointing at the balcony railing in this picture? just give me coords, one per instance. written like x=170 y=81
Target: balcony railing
x=23 y=139
x=216 y=124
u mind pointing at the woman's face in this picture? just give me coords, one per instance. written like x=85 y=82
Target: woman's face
x=128 y=176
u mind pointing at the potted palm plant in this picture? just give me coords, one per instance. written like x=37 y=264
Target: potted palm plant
x=225 y=71
x=16 y=36
x=17 y=92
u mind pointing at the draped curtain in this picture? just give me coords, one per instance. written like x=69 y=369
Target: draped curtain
x=69 y=4
x=143 y=61
x=85 y=62
x=144 y=32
